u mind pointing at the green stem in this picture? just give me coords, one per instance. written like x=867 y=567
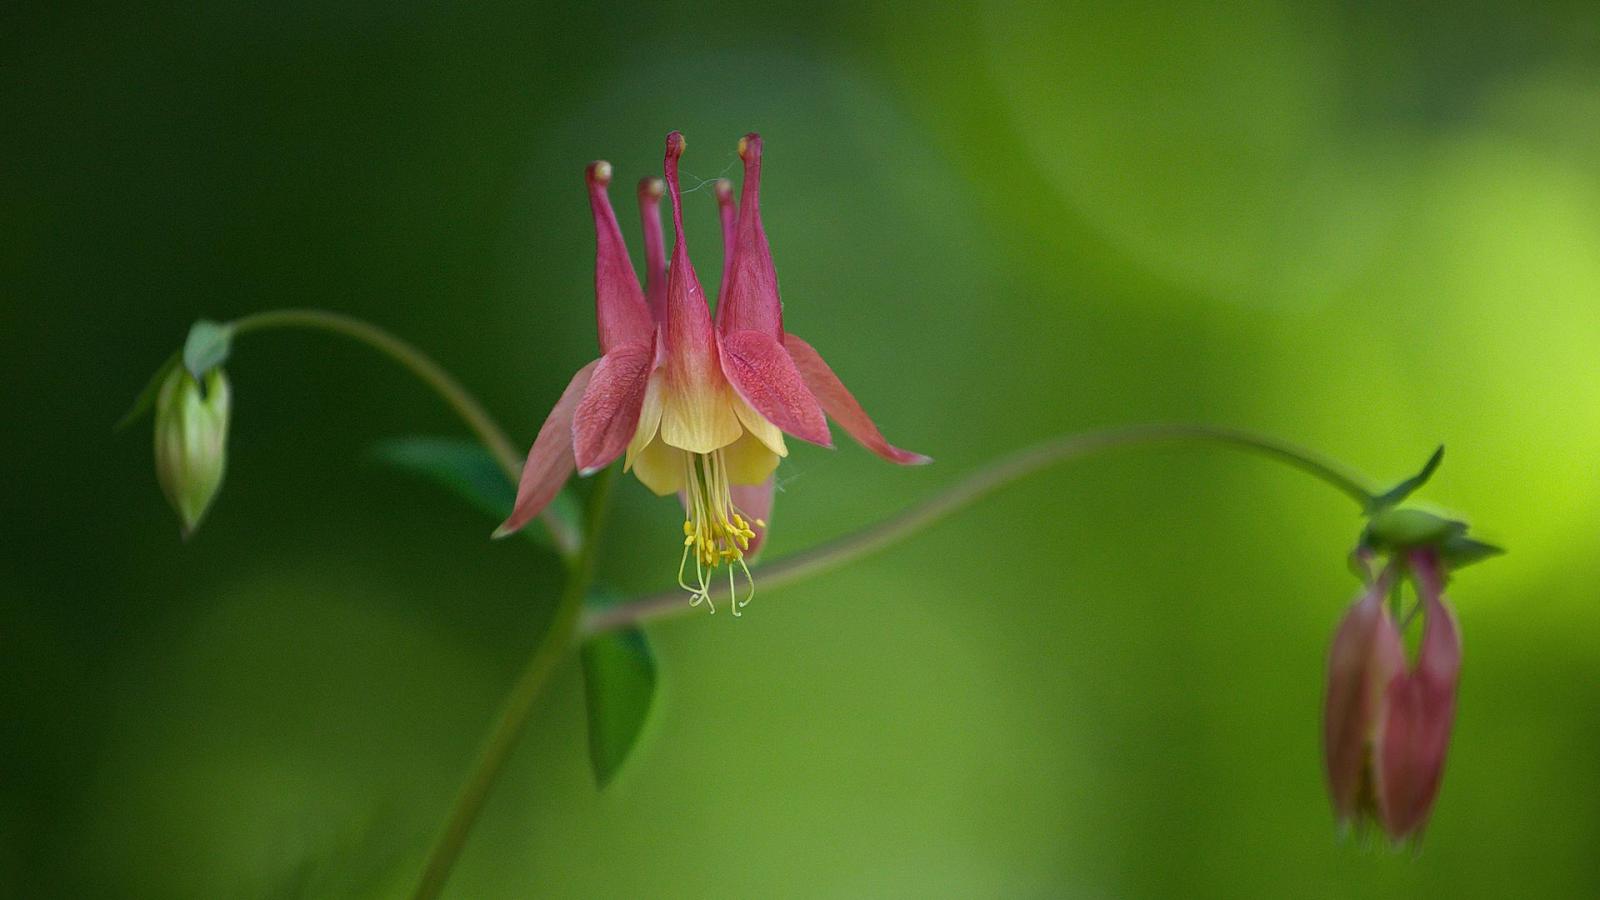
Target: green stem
x=978 y=485
x=421 y=365
x=558 y=638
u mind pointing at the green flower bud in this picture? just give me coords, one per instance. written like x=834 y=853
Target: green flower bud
x=191 y=438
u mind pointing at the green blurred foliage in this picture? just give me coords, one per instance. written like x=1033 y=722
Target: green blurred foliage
x=1368 y=228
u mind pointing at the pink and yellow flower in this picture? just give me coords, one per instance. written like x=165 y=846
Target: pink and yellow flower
x=694 y=405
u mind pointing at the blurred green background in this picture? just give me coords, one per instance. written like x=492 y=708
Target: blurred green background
x=1364 y=228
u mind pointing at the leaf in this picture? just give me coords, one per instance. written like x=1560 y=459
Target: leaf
x=457 y=465
x=465 y=469
x=619 y=685
x=147 y=397
x=1400 y=529
x=1404 y=489
x=1461 y=550
x=207 y=347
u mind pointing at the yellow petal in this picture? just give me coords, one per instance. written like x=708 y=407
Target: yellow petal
x=649 y=419
x=759 y=426
x=749 y=461
x=660 y=468
x=698 y=417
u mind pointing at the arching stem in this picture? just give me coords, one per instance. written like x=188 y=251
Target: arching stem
x=519 y=704
x=432 y=374
x=979 y=484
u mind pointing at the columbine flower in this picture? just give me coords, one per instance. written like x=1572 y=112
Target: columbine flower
x=698 y=407
x=1387 y=721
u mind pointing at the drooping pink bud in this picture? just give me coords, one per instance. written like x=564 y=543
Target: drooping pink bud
x=1386 y=721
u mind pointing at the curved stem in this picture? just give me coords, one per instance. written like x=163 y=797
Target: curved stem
x=978 y=485
x=558 y=638
x=419 y=363
x=466 y=406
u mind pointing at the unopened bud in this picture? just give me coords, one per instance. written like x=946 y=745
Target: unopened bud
x=191 y=437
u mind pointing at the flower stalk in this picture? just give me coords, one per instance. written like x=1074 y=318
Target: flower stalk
x=980 y=484
x=565 y=633
x=519 y=704
x=435 y=376
x=403 y=352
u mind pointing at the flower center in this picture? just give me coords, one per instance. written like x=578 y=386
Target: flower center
x=714 y=531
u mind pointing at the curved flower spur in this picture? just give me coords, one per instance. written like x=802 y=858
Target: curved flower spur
x=698 y=406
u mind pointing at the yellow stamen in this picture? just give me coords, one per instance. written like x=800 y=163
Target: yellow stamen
x=715 y=532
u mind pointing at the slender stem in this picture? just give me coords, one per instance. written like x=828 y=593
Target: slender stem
x=978 y=485
x=558 y=638
x=419 y=363
x=425 y=368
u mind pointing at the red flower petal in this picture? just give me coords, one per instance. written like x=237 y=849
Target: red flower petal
x=728 y=214
x=655 y=254
x=1366 y=656
x=754 y=501
x=837 y=400
x=696 y=417
x=550 y=460
x=766 y=377
x=619 y=307
x=750 y=301
x=609 y=412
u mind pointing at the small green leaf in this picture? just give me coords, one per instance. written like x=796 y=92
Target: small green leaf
x=468 y=471
x=1399 y=529
x=147 y=397
x=207 y=347
x=1462 y=551
x=459 y=466
x=619 y=682
x=1404 y=489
